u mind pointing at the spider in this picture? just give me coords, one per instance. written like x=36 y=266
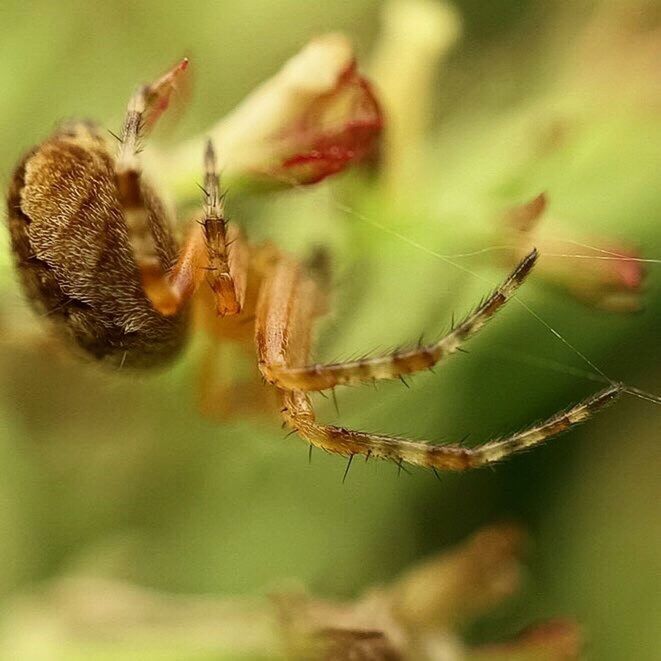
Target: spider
x=95 y=248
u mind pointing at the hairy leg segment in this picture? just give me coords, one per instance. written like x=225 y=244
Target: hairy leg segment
x=286 y=310
x=399 y=363
x=298 y=413
x=213 y=249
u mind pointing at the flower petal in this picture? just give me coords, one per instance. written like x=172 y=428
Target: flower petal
x=315 y=117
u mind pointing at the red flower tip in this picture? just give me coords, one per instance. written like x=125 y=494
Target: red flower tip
x=157 y=95
x=313 y=119
x=628 y=271
x=524 y=217
x=340 y=128
x=596 y=272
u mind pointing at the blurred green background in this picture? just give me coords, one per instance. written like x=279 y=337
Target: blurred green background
x=120 y=476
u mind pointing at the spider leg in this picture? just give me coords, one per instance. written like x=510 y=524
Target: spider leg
x=392 y=365
x=288 y=302
x=298 y=412
x=223 y=391
x=139 y=203
x=286 y=308
x=214 y=248
x=215 y=251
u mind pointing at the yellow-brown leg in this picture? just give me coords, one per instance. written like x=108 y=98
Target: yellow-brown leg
x=288 y=302
x=399 y=363
x=139 y=203
x=214 y=250
x=225 y=392
x=287 y=306
x=298 y=413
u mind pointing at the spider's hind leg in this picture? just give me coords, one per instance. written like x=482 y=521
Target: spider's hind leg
x=298 y=413
x=287 y=305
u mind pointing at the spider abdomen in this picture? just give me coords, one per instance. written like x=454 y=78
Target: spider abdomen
x=72 y=247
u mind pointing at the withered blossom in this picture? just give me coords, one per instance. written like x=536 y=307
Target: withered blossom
x=312 y=119
x=596 y=271
x=420 y=616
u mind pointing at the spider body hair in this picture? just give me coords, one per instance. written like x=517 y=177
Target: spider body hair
x=72 y=248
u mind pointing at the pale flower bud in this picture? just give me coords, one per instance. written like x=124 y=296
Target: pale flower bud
x=416 y=38
x=312 y=119
x=595 y=270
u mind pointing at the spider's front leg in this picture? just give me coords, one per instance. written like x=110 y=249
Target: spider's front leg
x=214 y=248
x=399 y=363
x=286 y=308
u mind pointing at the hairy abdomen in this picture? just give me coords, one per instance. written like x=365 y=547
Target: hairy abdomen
x=71 y=246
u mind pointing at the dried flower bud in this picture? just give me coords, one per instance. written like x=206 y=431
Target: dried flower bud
x=556 y=640
x=596 y=271
x=315 y=117
x=155 y=98
x=420 y=616
x=524 y=217
x=610 y=279
x=463 y=583
x=416 y=38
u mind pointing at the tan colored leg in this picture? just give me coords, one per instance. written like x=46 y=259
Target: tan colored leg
x=143 y=211
x=398 y=363
x=287 y=306
x=215 y=250
x=299 y=415
x=223 y=395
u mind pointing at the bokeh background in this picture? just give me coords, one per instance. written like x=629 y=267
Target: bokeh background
x=121 y=476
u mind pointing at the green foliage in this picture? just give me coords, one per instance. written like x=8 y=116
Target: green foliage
x=120 y=476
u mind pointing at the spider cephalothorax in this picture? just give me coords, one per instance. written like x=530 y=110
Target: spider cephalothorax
x=95 y=248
